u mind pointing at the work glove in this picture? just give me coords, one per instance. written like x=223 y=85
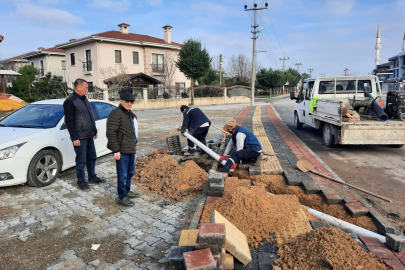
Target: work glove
x=182 y=134
x=234 y=166
x=136 y=117
x=223 y=158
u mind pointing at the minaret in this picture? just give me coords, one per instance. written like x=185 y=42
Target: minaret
x=403 y=45
x=377 y=48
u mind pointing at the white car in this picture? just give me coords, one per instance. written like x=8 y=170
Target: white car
x=35 y=144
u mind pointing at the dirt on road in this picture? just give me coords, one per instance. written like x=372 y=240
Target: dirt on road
x=161 y=174
x=327 y=248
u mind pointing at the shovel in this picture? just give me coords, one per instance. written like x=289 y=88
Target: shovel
x=306 y=166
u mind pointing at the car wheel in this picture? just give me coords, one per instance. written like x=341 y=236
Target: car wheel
x=297 y=123
x=44 y=168
x=328 y=138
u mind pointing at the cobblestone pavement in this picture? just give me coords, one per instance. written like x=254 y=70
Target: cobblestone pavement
x=55 y=227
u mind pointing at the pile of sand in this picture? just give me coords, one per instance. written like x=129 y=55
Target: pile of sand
x=254 y=212
x=276 y=184
x=10 y=105
x=327 y=248
x=161 y=174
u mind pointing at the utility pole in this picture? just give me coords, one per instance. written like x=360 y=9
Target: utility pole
x=298 y=67
x=220 y=69
x=310 y=72
x=283 y=59
x=346 y=70
x=254 y=47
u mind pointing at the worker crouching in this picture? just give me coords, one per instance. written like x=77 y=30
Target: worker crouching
x=247 y=146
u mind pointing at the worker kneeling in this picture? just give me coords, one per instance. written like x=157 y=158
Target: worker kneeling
x=247 y=146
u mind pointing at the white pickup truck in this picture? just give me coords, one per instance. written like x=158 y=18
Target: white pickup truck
x=339 y=93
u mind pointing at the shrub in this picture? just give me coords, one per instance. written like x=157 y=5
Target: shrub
x=166 y=95
x=184 y=95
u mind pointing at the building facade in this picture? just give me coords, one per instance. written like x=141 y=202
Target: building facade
x=101 y=56
x=48 y=60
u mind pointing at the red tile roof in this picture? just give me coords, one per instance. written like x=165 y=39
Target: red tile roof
x=54 y=49
x=18 y=57
x=132 y=37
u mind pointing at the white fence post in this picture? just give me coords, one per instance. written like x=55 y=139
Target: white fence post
x=145 y=97
x=105 y=95
x=225 y=94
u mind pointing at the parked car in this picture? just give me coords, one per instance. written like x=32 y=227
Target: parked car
x=35 y=144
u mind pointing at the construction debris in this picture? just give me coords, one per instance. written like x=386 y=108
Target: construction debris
x=350 y=116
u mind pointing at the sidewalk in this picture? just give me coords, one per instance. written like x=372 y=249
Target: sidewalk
x=290 y=150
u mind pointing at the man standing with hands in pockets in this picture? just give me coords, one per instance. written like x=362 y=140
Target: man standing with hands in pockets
x=122 y=139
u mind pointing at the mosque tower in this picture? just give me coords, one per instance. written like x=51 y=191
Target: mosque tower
x=378 y=47
x=403 y=45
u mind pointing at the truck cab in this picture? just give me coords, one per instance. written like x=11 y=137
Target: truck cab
x=333 y=97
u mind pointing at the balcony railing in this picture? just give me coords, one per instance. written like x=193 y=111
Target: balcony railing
x=158 y=68
x=88 y=66
x=41 y=72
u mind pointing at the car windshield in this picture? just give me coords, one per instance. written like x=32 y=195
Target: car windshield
x=34 y=116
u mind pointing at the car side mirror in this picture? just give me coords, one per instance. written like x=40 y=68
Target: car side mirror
x=292 y=96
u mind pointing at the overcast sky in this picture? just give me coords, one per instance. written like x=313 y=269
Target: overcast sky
x=326 y=35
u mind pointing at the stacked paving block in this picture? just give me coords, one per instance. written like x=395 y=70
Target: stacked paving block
x=208 y=242
x=216 y=182
x=174 y=145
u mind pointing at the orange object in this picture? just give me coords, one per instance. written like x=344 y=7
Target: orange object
x=382 y=105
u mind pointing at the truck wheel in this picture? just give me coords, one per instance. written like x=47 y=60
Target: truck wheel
x=44 y=168
x=328 y=138
x=297 y=123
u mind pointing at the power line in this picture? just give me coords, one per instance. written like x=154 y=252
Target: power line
x=275 y=33
x=268 y=36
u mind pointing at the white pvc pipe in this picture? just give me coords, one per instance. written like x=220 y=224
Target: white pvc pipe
x=343 y=224
x=205 y=148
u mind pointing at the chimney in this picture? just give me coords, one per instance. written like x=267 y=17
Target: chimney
x=124 y=28
x=41 y=48
x=168 y=33
x=73 y=39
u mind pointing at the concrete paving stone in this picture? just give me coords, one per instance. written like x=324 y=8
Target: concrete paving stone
x=160 y=243
x=168 y=228
x=144 y=248
x=316 y=224
x=57 y=266
x=156 y=254
x=159 y=224
x=121 y=263
x=350 y=231
x=95 y=263
x=48 y=224
x=395 y=242
x=14 y=221
x=167 y=212
x=151 y=239
x=17 y=226
x=4 y=229
x=133 y=242
x=53 y=213
x=130 y=228
x=22 y=236
x=165 y=236
x=162 y=217
x=68 y=254
x=11 y=237
x=371 y=241
x=112 y=231
x=128 y=251
x=382 y=252
x=362 y=245
x=138 y=233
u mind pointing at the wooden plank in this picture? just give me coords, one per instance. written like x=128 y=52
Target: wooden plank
x=235 y=240
x=228 y=261
x=188 y=237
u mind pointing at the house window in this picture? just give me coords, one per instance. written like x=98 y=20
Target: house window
x=32 y=63
x=135 y=58
x=118 y=58
x=88 y=64
x=157 y=62
x=63 y=63
x=91 y=87
x=72 y=59
x=41 y=68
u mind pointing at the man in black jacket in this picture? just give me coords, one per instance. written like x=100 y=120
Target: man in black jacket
x=121 y=136
x=197 y=124
x=80 y=122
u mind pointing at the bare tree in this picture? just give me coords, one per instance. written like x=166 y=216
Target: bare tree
x=240 y=67
x=165 y=72
x=117 y=74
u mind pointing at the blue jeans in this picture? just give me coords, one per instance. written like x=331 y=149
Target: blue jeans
x=246 y=155
x=125 y=171
x=85 y=155
x=200 y=135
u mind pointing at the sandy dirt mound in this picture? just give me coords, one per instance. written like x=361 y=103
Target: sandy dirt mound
x=276 y=185
x=254 y=212
x=161 y=174
x=9 y=105
x=327 y=248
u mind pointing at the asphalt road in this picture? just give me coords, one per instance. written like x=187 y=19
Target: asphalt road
x=379 y=169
